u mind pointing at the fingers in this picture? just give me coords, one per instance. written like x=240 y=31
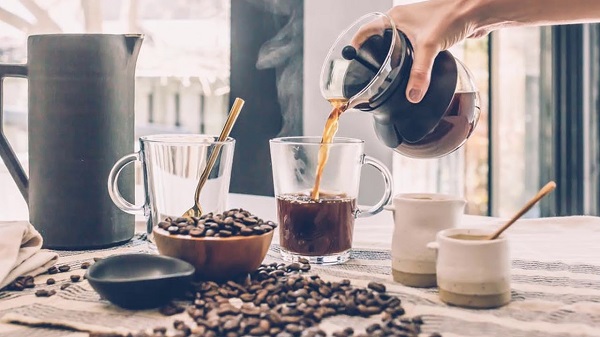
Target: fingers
x=420 y=73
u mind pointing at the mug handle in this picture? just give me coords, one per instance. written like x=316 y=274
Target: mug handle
x=387 y=193
x=113 y=185
x=6 y=152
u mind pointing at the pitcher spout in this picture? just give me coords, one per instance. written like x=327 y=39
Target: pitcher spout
x=134 y=43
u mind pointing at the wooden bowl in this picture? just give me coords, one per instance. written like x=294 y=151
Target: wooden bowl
x=215 y=258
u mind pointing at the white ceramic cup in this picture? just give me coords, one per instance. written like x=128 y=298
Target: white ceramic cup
x=472 y=273
x=418 y=217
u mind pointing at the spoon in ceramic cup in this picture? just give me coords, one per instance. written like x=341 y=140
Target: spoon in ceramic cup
x=196 y=210
x=549 y=187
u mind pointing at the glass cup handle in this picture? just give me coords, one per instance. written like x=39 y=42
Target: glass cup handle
x=113 y=186
x=387 y=193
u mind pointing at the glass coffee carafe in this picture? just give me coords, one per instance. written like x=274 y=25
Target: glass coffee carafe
x=368 y=67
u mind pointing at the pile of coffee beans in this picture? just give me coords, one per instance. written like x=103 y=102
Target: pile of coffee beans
x=229 y=223
x=279 y=300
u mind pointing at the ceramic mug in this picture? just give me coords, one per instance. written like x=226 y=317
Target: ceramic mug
x=472 y=272
x=418 y=217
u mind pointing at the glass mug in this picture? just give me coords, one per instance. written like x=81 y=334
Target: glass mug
x=171 y=167
x=320 y=230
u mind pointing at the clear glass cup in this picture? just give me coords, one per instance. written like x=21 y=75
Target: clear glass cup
x=320 y=230
x=172 y=166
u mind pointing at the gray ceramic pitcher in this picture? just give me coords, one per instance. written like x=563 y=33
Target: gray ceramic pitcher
x=81 y=120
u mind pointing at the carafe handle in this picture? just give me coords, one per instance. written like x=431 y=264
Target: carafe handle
x=113 y=185
x=6 y=152
x=387 y=193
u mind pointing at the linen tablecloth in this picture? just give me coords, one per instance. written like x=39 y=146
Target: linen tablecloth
x=555 y=286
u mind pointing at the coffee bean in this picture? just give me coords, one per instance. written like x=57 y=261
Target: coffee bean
x=246 y=231
x=164 y=225
x=210 y=232
x=52 y=270
x=294 y=266
x=64 y=268
x=376 y=286
x=75 y=278
x=258 y=230
x=173 y=230
x=85 y=265
x=50 y=281
x=65 y=286
x=171 y=309
x=45 y=293
x=197 y=232
x=225 y=233
x=250 y=221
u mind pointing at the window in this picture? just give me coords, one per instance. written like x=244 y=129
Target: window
x=182 y=74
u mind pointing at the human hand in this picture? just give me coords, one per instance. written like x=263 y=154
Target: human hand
x=432 y=26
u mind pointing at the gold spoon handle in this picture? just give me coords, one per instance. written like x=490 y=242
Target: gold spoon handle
x=231 y=118
x=549 y=187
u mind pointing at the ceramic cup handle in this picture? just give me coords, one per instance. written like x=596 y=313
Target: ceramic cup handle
x=387 y=193
x=113 y=185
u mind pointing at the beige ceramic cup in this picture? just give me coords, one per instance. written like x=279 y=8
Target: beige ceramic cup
x=472 y=273
x=418 y=217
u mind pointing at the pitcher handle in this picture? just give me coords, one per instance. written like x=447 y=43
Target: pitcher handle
x=113 y=185
x=6 y=152
x=387 y=193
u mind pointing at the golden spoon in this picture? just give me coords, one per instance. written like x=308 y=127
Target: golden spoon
x=549 y=187
x=196 y=210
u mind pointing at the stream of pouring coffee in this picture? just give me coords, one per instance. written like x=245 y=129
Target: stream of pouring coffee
x=331 y=127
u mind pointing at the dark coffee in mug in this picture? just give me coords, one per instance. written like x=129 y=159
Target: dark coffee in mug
x=316 y=227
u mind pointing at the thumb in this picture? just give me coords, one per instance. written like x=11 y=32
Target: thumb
x=420 y=73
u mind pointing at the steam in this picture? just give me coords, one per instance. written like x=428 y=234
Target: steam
x=284 y=53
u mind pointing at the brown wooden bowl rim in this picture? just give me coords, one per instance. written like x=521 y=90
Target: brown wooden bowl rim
x=188 y=237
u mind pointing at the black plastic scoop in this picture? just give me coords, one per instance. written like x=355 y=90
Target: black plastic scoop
x=140 y=281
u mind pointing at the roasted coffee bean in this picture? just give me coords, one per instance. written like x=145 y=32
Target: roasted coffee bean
x=65 y=286
x=52 y=270
x=164 y=225
x=258 y=230
x=85 y=265
x=225 y=233
x=171 y=309
x=376 y=286
x=50 y=281
x=45 y=293
x=173 y=230
x=197 y=232
x=75 y=278
x=64 y=268
x=246 y=231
